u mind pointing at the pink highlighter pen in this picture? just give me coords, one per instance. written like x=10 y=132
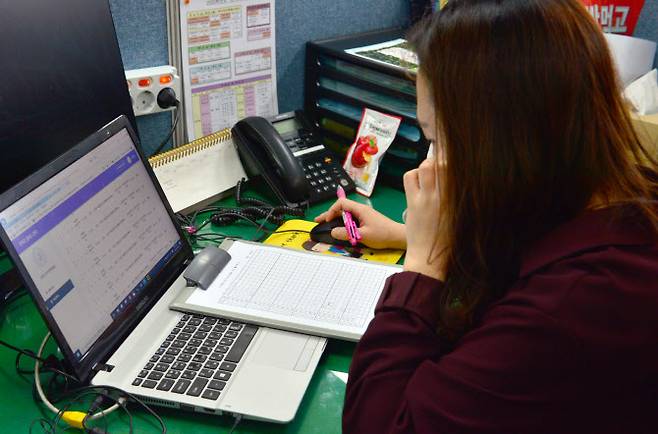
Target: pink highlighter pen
x=352 y=231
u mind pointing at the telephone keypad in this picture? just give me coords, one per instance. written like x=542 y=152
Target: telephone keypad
x=325 y=174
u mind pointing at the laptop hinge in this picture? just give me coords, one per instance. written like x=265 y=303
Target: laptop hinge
x=102 y=367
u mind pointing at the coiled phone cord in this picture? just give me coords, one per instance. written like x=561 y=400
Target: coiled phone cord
x=253 y=209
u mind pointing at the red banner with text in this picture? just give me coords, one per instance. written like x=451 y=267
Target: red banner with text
x=616 y=16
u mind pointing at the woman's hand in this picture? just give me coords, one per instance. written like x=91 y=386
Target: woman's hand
x=377 y=230
x=424 y=240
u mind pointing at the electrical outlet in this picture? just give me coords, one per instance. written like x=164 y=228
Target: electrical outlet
x=145 y=84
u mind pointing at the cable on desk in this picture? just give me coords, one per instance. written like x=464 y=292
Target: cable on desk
x=51 y=364
x=274 y=215
x=242 y=200
x=250 y=210
x=46 y=425
x=72 y=418
x=238 y=418
x=130 y=397
x=11 y=287
x=28 y=353
x=79 y=419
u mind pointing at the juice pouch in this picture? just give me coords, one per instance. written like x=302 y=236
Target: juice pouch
x=376 y=133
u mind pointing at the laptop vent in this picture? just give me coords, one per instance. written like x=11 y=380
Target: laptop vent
x=160 y=402
x=163 y=403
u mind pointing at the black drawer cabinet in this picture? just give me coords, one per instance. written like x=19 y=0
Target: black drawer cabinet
x=338 y=87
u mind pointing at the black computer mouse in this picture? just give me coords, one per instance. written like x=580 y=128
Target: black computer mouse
x=322 y=232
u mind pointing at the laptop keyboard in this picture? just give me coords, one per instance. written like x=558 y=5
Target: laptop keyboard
x=198 y=357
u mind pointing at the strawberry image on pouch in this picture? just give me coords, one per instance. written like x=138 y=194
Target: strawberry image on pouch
x=375 y=135
x=366 y=146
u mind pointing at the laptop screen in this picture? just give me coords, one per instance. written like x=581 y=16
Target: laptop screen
x=91 y=238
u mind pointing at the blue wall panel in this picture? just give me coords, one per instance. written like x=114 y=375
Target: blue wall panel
x=647 y=25
x=142 y=32
x=141 y=27
x=299 y=21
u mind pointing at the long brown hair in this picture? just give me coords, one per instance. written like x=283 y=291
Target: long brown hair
x=530 y=116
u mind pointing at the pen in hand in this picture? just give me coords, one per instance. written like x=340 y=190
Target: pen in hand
x=350 y=226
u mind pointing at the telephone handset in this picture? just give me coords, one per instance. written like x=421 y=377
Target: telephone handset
x=295 y=165
x=264 y=153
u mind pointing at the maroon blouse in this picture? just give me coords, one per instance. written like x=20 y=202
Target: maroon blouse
x=571 y=348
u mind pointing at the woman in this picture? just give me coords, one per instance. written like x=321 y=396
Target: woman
x=529 y=297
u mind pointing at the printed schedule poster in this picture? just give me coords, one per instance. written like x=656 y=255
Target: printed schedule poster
x=229 y=62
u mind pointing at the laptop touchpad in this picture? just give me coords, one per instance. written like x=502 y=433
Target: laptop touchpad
x=285 y=350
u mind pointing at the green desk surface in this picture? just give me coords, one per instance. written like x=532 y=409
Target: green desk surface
x=5 y=262
x=320 y=411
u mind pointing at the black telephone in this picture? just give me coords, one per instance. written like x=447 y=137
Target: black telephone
x=285 y=152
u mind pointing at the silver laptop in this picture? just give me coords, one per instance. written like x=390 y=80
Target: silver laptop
x=97 y=246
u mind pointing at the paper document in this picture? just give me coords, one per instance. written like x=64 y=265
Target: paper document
x=229 y=62
x=397 y=53
x=633 y=57
x=306 y=292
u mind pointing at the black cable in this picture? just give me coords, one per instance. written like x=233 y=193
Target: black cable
x=249 y=209
x=12 y=295
x=210 y=237
x=42 y=421
x=171 y=132
x=202 y=242
x=203 y=225
x=262 y=226
x=274 y=215
x=79 y=393
x=47 y=362
x=231 y=217
x=98 y=404
x=241 y=200
x=11 y=287
x=275 y=232
x=95 y=405
x=238 y=418
x=218 y=238
x=133 y=398
x=58 y=417
x=28 y=353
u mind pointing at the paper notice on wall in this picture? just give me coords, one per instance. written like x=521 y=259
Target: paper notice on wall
x=229 y=62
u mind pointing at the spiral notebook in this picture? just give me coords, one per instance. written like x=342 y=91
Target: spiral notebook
x=200 y=172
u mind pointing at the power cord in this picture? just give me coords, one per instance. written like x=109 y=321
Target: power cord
x=11 y=287
x=238 y=418
x=167 y=98
x=50 y=363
